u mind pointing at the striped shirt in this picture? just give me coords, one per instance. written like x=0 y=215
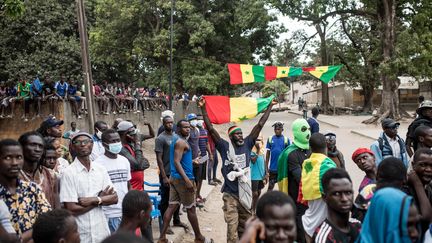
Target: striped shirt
x=202 y=142
x=327 y=233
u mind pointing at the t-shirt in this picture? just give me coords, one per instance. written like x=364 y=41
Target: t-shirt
x=257 y=168
x=61 y=89
x=314 y=125
x=366 y=181
x=119 y=173
x=47 y=89
x=243 y=152
x=202 y=142
x=24 y=90
x=327 y=233
x=161 y=129
x=193 y=142
x=72 y=90
x=162 y=145
x=276 y=146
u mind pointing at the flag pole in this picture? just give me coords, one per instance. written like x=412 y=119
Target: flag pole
x=171 y=56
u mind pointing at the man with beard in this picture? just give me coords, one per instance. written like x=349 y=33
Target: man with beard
x=338 y=194
x=33 y=149
x=235 y=155
x=424 y=118
x=25 y=200
x=84 y=188
x=290 y=167
x=332 y=152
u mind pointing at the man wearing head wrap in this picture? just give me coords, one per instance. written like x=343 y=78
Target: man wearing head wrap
x=290 y=168
x=236 y=156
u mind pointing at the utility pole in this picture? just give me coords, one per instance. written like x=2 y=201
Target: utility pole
x=86 y=66
x=171 y=56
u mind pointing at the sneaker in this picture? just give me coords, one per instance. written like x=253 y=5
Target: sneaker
x=212 y=183
x=79 y=117
x=217 y=181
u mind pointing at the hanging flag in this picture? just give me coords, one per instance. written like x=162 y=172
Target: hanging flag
x=274 y=72
x=324 y=73
x=223 y=109
x=244 y=73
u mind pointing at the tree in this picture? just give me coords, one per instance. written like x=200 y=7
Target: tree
x=11 y=8
x=275 y=87
x=130 y=41
x=43 y=42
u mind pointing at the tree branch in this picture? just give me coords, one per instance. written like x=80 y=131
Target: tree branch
x=345 y=63
x=318 y=19
x=305 y=43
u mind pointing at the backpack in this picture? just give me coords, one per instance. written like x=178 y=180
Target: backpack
x=286 y=140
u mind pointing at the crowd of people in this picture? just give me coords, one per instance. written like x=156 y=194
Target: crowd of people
x=91 y=189
x=115 y=98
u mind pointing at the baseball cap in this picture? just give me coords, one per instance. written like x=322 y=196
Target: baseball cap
x=389 y=123
x=51 y=121
x=329 y=134
x=191 y=116
x=79 y=134
x=124 y=126
x=167 y=113
x=427 y=104
x=359 y=151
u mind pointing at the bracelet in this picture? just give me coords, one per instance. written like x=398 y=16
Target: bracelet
x=99 y=201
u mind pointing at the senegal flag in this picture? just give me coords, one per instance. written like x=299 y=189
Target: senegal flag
x=274 y=72
x=244 y=73
x=282 y=176
x=324 y=73
x=223 y=109
x=313 y=170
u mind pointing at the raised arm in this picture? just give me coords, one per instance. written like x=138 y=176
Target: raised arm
x=258 y=127
x=213 y=133
x=151 y=131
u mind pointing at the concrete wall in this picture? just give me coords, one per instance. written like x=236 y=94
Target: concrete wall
x=13 y=128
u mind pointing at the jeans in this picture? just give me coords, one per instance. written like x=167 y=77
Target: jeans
x=113 y=224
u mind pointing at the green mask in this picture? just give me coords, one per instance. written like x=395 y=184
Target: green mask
x=301 y=131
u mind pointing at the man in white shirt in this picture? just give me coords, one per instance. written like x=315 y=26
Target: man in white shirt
x=84 y=188
x=118 y=169
x=98 y=149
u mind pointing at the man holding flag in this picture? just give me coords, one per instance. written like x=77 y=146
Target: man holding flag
x=235 y=154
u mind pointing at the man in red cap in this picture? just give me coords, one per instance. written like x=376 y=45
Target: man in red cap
x=365 y=160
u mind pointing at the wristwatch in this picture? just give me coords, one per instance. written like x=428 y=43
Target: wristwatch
x=99 y=201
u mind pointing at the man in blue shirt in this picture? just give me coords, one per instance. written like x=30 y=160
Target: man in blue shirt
x=275 y=145
x=61 y=88
x=182 y=185
x=36 y=92
x=313 y=122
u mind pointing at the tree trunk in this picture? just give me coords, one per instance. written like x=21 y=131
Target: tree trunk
x=390 y=98
x=368 y=92
x=325 y=104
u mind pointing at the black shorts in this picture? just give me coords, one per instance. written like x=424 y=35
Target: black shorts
x=257 y=185
x=200 y=172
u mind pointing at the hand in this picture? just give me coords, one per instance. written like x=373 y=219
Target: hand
x=201 y=102
x=146 y=123
x=189 y=185
x=196 y=161
x=413 y=179
x=254 y=227
x=88 y=201
x=166 y=181
x=274 y=102
x=109 y=190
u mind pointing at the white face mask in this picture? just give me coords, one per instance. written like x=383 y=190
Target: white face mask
x=99 y=134
x=200 y=123
x=194 y=123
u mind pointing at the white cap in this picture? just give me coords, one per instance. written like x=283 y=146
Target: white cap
x=167 y=113
x=124 y=126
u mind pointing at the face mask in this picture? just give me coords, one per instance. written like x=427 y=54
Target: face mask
x=194 y=123
x=115 y=148
x=99 y=134
x=200 y=123
x=301 y=132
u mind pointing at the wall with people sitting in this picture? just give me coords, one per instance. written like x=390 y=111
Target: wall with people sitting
x=13 y=127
